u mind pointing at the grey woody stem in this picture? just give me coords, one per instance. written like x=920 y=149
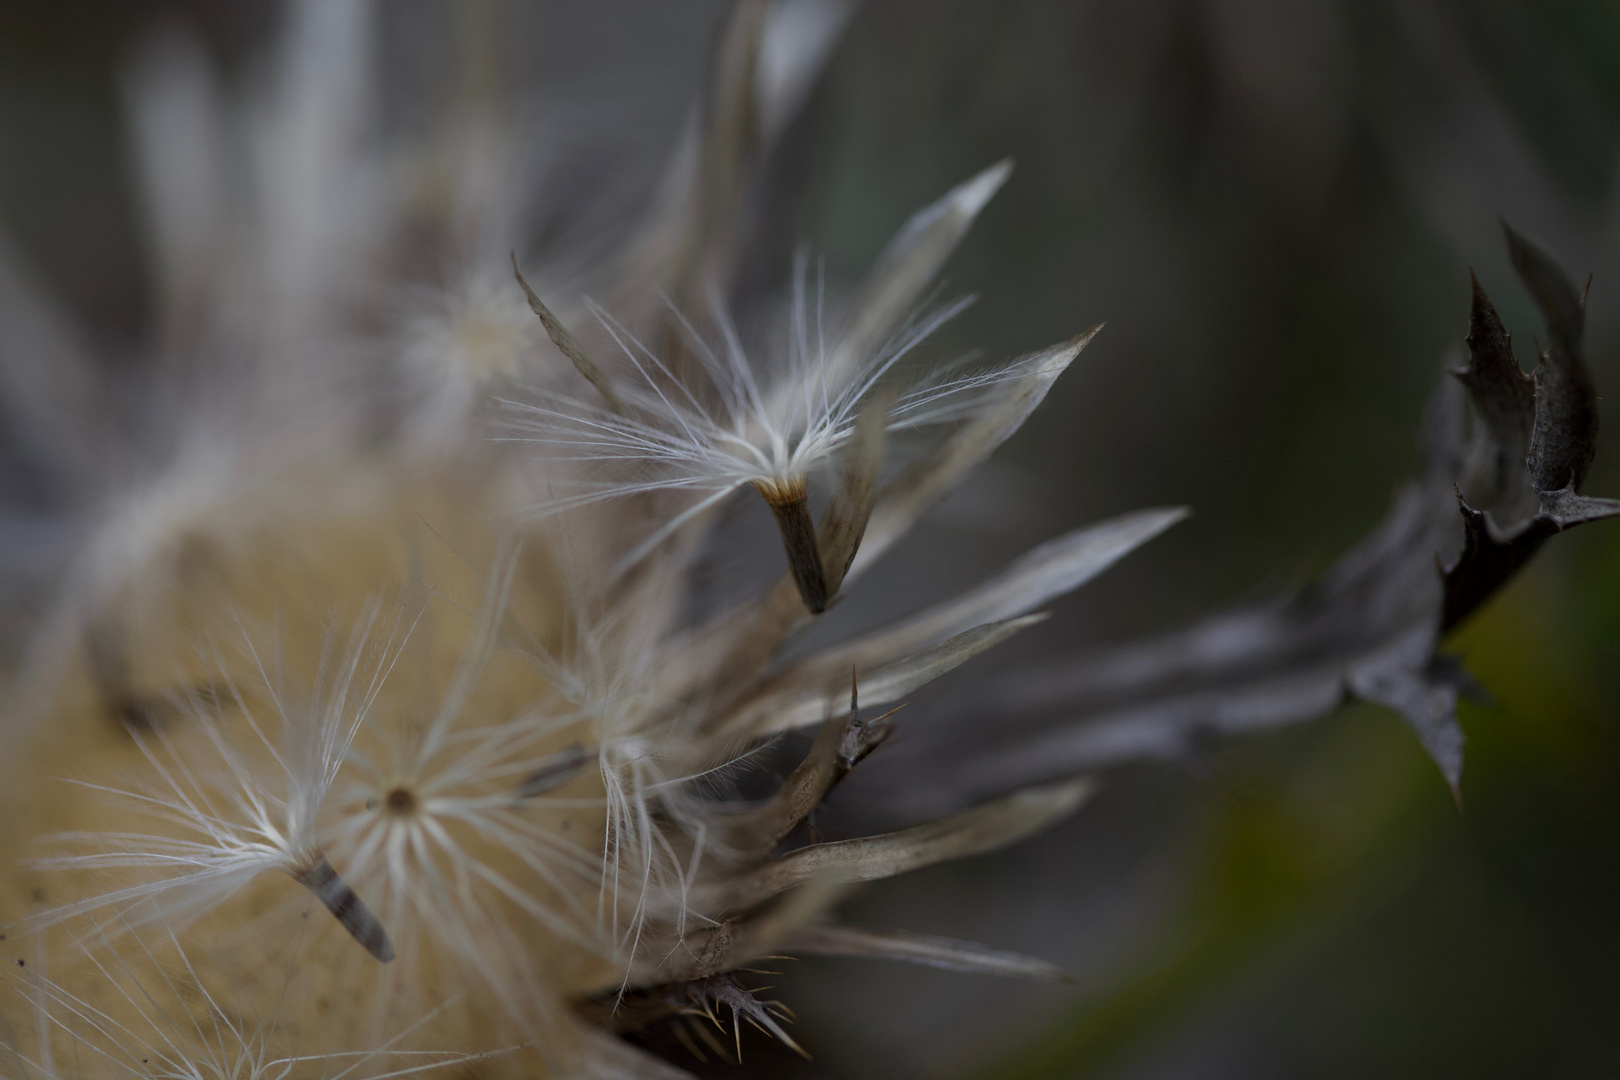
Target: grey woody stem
x=349 y=910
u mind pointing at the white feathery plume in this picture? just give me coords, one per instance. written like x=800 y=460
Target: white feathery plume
x=769 y=429
x=240 y=807
x=606 y=680
x=442 y=824
x=459 y=345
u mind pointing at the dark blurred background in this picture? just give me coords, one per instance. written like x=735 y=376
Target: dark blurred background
x=1274 y=205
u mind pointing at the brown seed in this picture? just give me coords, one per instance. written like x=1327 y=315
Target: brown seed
x=347 y=907
x=789 y=500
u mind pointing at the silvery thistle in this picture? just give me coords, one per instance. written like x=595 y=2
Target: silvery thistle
x=373 y=728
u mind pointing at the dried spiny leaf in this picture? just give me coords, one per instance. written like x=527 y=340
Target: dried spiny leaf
x=1562 y=439
x=1505 y=398
x=1371 y=626
x=1491 y=555
x=1565 y=435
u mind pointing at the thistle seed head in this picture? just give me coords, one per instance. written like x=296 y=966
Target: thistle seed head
x=431 y=728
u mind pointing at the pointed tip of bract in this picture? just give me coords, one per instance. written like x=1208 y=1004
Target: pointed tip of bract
x=1444 y=745
x=1049 y=363
x=971 y=196
x=1144 y=525
x=1058 y=357
x=1168 y=515
x=1058 y=799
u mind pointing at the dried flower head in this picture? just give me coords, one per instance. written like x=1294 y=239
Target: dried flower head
x=484 y=759
x=324 y=701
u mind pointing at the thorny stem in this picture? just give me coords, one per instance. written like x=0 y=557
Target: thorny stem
x=789 y=500
x=347 y=907
x=842 y=743
x=860 y=736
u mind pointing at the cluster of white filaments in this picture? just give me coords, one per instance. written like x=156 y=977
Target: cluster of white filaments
x=484 y=330
x=440 y=824
x=736 y=431
x=460 y=345
x=233 y=808
x=771 y=428
x=605 y=683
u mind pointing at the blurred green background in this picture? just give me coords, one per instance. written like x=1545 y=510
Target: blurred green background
x=1274 y=205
